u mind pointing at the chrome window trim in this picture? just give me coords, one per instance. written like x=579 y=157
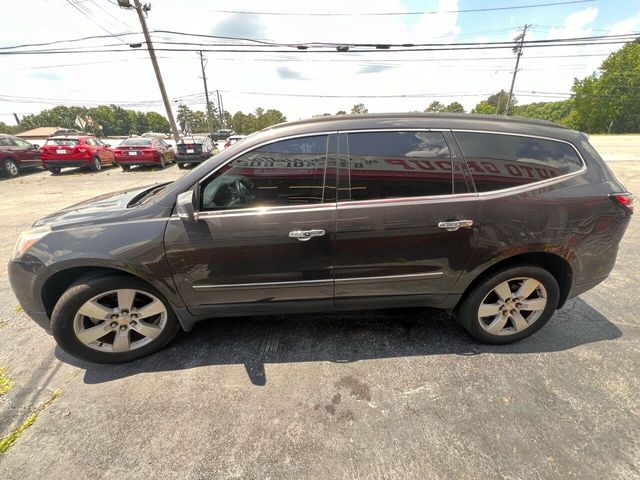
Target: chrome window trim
x=528 y=186
x=320 y=282
x=400 y=201
x=406 y=201
x=394 y=129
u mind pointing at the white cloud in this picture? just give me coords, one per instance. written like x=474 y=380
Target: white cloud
x=128 y=77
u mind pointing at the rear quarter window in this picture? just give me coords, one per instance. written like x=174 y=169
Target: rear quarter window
x=499 y=161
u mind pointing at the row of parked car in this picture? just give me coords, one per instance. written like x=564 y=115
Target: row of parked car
x=87 y=151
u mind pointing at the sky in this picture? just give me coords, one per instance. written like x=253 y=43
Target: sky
x=127 y=78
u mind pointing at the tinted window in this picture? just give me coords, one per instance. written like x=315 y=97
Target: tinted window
x=90 y=141
x=137 y=141
x=22 y=143
x=6 y=142
x=62 y=141
x=289 y=172
x=398 y=164
x=503 y=161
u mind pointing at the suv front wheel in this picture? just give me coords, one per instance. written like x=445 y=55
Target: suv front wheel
x=510 y=304
x=112 y=319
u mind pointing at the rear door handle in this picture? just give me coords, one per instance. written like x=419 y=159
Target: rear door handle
x=304 y=235
x=455 y=225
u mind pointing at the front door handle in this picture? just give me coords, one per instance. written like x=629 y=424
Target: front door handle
x=304 y=235
x=455 y=225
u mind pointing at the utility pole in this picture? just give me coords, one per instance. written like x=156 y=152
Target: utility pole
x=206 y=92
x=220 y=112
x=141 y=10
x=518 y=50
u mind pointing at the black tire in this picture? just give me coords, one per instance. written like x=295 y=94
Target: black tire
x=125 y=168
x=468 y=311
x=182 y=166
x=54 y=170
x=10 y=168
x=96 y=164
x=88 y=287
x=163 y=163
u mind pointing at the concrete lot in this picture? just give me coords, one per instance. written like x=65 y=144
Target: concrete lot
x=395 y=394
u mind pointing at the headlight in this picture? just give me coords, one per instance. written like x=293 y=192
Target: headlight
x=27 y=239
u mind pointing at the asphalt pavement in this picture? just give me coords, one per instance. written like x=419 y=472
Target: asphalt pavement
x=402 y=393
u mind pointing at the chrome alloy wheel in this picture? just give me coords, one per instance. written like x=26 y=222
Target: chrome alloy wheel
x=120 y=320
x=512 y=306
x=11 y=168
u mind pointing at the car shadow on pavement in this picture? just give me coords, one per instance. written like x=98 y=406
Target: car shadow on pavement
x=345 y=337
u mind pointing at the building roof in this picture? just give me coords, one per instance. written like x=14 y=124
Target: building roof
x=38 y=132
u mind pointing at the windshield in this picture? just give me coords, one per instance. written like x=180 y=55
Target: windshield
x=192 y=140
x=62 y=141
x=136 y=141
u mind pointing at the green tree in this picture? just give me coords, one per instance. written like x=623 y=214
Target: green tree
x=359 y=109
x=454 y=107
x=184 y=118
x=495 y=104
x=341 y=112
x=434 y=106
x=11 y=129
x=609 y=100
x=157 y=122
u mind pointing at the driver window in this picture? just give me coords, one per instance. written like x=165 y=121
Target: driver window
x=289 y=172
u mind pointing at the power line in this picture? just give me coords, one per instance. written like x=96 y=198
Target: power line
x=86 y=12
x=425 y=12
x=331 y=51
x=303 y=47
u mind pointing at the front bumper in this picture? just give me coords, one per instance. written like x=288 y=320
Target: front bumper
x=23 y=279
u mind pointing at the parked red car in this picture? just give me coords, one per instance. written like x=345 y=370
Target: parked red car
x=144 y=151
x=16 y=154
x=75 y=151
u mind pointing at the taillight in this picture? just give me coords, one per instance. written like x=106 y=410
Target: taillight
x=118 y=152
x=227 y=145
x=148 y=151
x=625 y=200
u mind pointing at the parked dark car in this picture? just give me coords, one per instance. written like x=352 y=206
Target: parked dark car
x=144 y=151
x=16 y=154
x=75 y=151
x=497 y=221
x=221 y=134
x=194 y=150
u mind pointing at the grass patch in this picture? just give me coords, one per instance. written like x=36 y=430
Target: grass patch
x=18 y=309
x=5 y=382
x=8 y=440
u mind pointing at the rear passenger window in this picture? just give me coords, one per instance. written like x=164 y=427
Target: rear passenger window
x=502 y=161
x=398 y=164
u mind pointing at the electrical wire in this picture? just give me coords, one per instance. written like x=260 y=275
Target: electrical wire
x=86 y=12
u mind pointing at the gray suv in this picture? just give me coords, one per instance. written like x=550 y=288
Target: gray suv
x=496 y=220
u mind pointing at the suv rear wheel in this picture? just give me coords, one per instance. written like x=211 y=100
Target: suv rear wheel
x=10 y=168
x=510 y=305
x=112 y=319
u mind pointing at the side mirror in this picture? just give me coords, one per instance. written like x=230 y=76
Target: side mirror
x=108 y=144
x=35 y=146
x=186 y=207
